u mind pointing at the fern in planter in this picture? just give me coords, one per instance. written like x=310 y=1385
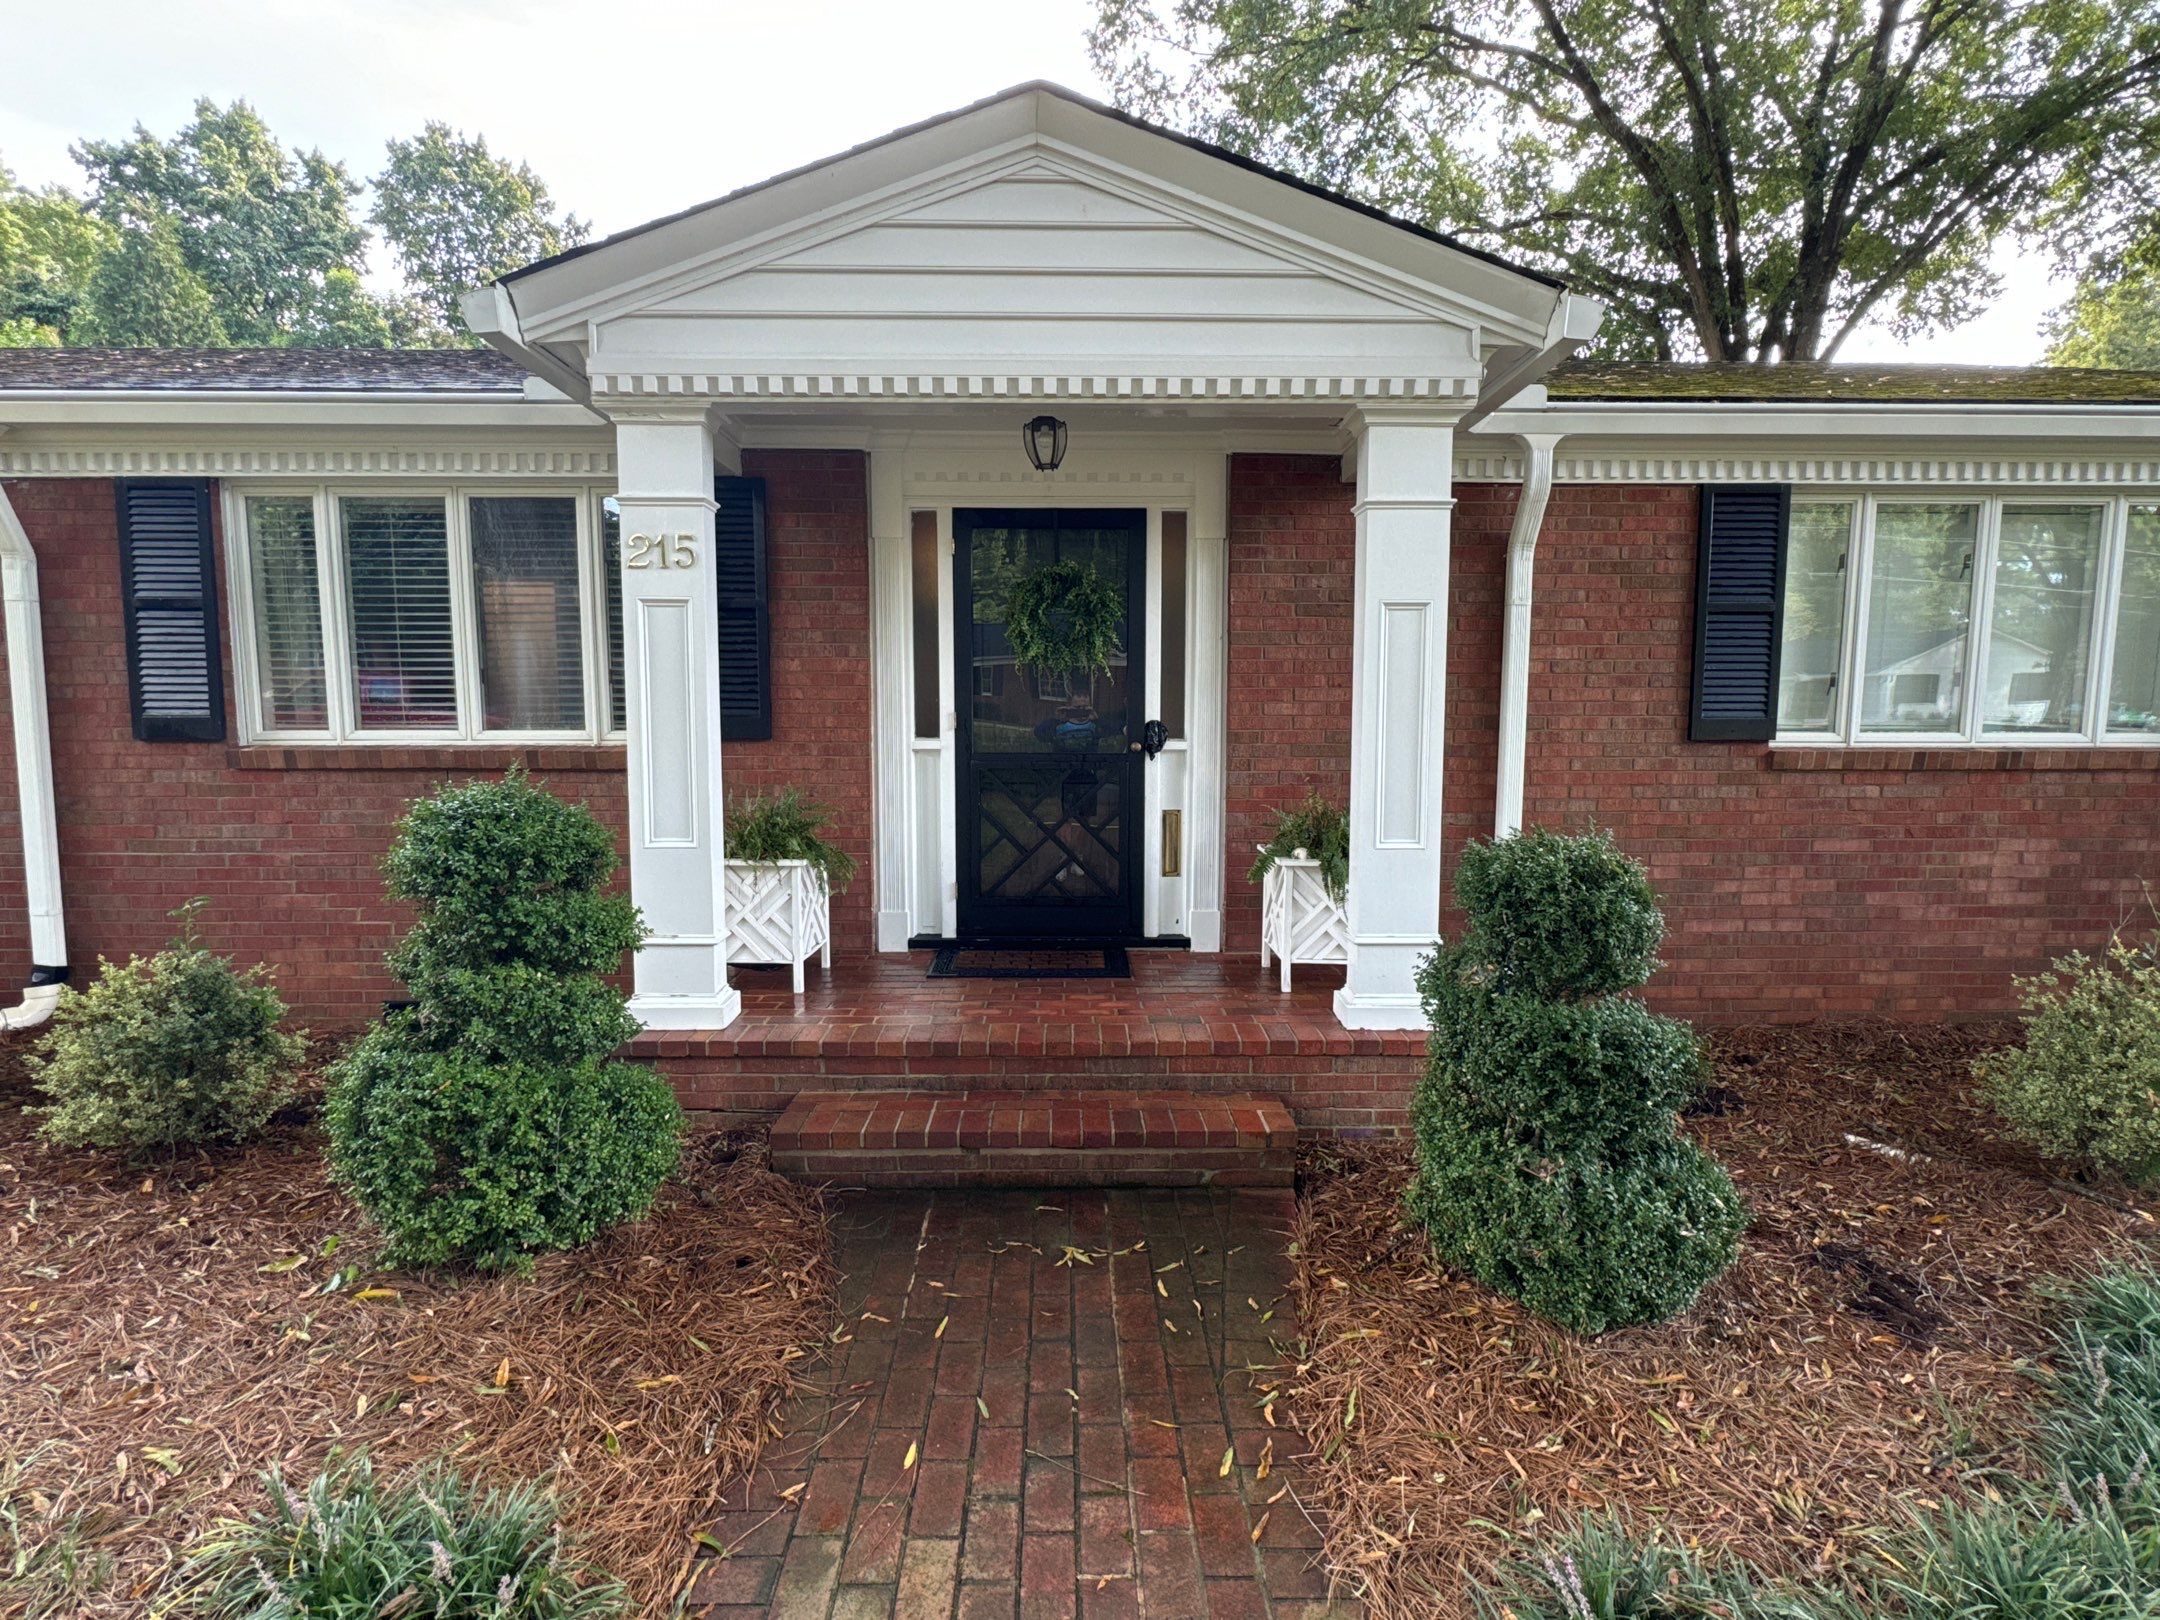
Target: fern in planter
x=1322 y=831
x=785 y=826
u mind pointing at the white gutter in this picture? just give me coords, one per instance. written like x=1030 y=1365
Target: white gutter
x=1574 y=322
x=33 y=775
x=1538 y=458
x=491 y=316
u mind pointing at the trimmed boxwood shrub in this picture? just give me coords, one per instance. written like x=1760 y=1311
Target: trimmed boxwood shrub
x=486 y=1122
x=180 y=1050
x=1550 y=1163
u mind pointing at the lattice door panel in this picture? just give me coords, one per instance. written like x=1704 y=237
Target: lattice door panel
x=1049 y=834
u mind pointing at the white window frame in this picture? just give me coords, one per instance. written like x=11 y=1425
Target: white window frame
x=343 y=729
x=1846 y=730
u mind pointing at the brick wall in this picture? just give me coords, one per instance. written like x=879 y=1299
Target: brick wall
x=1801 y=886
x=285 y=842
x=818 y=549
x=1287 y=726
x=1796 y=885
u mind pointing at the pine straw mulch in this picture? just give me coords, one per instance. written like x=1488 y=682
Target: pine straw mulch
x=1878 y=1327
x=168 y=1332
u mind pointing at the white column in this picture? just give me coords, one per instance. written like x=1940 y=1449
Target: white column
x=671 y=680
x=1397 y=711
x=1208 y=573
x=892 y=604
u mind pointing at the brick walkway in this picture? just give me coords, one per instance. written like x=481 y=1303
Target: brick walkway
x=1010 y=1430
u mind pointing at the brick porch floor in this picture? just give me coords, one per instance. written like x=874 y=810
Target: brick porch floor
x=1202 y=1023
x=1067 y=1418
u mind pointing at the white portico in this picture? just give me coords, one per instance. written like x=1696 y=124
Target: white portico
x=918 y=299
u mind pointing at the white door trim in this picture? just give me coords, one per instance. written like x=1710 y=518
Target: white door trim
x=916 y=789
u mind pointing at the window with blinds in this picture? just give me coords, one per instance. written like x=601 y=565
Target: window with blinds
x=397 y=585
x=526 y=608
x=292 y=685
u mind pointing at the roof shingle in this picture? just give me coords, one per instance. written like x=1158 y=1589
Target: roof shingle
x=1850 y=384
x=300 y=371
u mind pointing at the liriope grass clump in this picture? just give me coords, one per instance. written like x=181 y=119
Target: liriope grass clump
x=351 y=1546
x=487 y=1122
x=1550 y=1161
x=2075 y=1538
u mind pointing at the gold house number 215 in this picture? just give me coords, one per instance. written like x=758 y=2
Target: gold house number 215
x=660 y=551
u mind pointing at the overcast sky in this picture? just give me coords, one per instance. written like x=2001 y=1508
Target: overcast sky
x=627 y=108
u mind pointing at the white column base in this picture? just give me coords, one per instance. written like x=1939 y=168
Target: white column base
x=688 y=1012
x=893 y=932
x=1204 y=937
x=1381 y=992
x=1360 y=1009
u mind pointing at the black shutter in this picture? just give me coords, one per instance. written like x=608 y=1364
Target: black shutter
x=1739 y=611
x=745 y=618
x=168 y=588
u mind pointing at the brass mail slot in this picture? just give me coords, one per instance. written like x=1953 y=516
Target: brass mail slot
x=1173 y=834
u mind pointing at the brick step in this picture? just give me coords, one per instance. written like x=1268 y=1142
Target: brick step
x=1022 y=1139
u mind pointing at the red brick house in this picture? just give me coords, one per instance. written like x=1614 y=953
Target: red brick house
x=1863 y=662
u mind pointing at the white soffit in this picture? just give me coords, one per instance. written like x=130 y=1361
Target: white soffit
x=1031 y=245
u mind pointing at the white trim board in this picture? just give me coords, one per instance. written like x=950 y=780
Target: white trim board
x=916 y=789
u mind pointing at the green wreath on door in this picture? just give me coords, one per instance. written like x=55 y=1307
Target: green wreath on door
x=1063 y=618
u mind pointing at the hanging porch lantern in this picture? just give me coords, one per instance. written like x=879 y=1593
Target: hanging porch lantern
x=1044 y=437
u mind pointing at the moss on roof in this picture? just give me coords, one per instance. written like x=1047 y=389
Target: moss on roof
x=1683 y=381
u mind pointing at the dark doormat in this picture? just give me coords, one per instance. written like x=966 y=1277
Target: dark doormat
x=1027 y=962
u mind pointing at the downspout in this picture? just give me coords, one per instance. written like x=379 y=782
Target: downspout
x=1537 y=449
x=33 y=775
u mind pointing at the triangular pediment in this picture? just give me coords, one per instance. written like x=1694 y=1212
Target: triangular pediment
x=1031 y=238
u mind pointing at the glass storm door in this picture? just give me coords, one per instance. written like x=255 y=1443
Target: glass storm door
x=1050 y=760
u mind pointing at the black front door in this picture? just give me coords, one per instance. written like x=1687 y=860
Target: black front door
x=1050 y=763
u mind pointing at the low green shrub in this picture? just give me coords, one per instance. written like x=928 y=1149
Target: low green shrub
x=785 y=826
x=487 y=1123
x=2086 y=1084
x=1322 y=831
x=353 y=1548
x=177 y=1050
x=1550 y=1165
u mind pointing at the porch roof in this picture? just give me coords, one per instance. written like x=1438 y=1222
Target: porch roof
x=1035 y=245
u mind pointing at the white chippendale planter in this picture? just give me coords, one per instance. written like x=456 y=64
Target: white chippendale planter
x=1298 y=922
x=778 y=911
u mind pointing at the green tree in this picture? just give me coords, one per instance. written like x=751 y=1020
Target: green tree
x=2109 y=323
x=50 y=245
x=261 y=227
x=1740 y=180
x=145 y=295
x=343 y=315
x=456 y=214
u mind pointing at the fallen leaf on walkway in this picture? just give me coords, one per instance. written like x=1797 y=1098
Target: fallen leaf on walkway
x=943 y=1322
x=1229 y=1456
x=908 y=1461
x=1261 y=1526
